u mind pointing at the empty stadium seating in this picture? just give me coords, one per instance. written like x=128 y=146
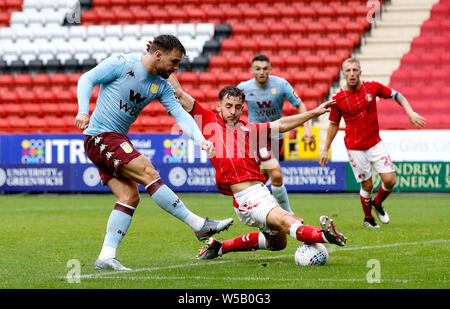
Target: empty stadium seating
x=423 y=75
x=44 y=49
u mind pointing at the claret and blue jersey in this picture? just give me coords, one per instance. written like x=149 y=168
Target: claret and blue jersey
x=126 y=88
x=265 y=104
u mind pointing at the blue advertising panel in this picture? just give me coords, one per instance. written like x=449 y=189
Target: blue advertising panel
x=57 y=163
x=68 y=148
x=35 y=178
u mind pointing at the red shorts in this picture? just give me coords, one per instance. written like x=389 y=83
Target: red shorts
x=108 y=151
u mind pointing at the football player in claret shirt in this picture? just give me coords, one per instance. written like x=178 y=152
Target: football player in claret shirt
x=265 y=95
x=238 y=174
x=356 y=103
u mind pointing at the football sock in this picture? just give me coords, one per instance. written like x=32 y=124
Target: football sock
x=167 y=200
x=382 y=194
x=281 y=195
x=307 y=233
x=366 y=199
x=118 y=223
x=247 y=242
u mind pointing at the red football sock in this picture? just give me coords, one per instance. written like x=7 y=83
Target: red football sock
x=245 y=242
x=381 y=195
x=309 y=234
x=367 y=208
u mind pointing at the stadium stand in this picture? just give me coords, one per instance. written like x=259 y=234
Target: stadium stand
x=47 y=44
x=422 y=75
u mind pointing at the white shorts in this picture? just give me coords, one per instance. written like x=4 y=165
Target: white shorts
x=255 y=203
x=362 y=162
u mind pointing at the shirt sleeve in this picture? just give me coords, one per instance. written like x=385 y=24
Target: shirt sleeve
x=107 y=70
x=384 y=91
x=336 y=113
x=187 y=124
x=290 y=94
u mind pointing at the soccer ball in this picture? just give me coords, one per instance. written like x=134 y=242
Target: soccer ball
x=311 y=254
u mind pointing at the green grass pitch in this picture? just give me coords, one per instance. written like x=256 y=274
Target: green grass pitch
x=45 y=237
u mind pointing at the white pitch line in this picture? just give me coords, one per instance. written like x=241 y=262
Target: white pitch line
x=150 y=269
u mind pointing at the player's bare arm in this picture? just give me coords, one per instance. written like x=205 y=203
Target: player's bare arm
x=285 y=124
x=333 y=128
x=415 y=119
x=185 y=99
x=308 y=136
x=187 y=102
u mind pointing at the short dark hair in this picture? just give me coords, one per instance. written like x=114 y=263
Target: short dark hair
x=261 y=57
x=231 y=91
x=167 y=43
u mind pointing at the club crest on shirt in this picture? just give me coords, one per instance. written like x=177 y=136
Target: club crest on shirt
x=126 y=147
x=274 y=91
x=154 y=88
x=369 y=97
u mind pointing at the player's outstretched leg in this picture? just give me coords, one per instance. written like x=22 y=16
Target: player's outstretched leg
x=211 y=227
x=165 y=198
x=247 y=242
x=330 y=233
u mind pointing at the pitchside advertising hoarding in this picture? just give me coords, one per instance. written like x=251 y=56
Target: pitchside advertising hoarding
x=57 y=163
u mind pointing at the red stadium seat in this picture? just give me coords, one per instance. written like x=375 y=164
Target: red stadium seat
x=218 y=61
x=65 y=96
x=286 y=44
x=9 y=97
x=46 y=96
x=296 y=28
x=59 y=79
x=188 y=78
x=23 y=80
x=36 y=123
x=41 y=80
x=410 y=61
x=90 y=17
x=238 y=61
x=55 y=124
x=206 y=78
x=7 y=80
x=302 y=77
x=26 y=97
x=316 y=28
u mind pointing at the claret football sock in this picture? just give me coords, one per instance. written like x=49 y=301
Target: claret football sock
x=118 y=223
x=165 y=198
x=307 y=233
x=281 y=195
x=366 y=199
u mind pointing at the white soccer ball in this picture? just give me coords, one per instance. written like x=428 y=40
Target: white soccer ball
x=311 y=254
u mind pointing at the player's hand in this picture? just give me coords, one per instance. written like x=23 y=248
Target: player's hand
x=209 y=148
x=323 y=157
x=308 y=136
x=149 y=44
x=324 y=107
x=82 y=121
x=416 y=120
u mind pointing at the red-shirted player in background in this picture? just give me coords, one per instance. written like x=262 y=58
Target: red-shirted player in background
x=238 y=174
x=356 y=102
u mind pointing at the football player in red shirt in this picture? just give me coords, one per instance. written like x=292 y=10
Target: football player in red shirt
x=356 y=103
x=238 y=174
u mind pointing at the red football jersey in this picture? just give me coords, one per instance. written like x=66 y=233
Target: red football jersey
x=359 y=110
x=235 y=147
